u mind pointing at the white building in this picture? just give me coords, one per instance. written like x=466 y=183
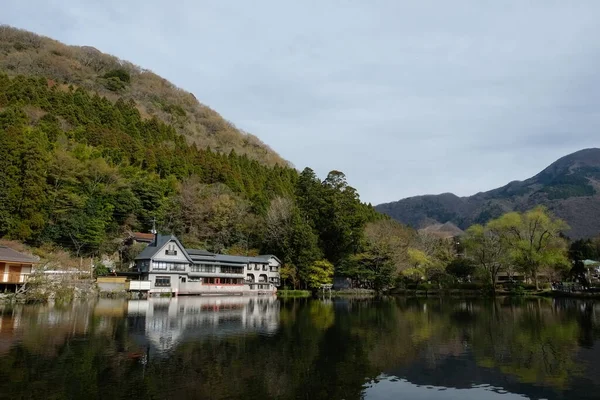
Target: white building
x=165 y=266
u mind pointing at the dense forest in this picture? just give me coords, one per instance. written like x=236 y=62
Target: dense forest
x=79 y=171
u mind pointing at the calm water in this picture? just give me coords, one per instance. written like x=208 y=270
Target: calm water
x=262 y=348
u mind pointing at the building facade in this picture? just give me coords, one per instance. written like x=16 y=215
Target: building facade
x=15 y=267
x=167 y=267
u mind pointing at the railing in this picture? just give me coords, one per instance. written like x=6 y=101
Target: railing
x=216 y=273
x=14 y=277
x=138 y=285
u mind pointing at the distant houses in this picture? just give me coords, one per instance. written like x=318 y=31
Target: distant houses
x=166 y=267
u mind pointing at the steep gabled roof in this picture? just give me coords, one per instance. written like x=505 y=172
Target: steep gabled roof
x=268 y=256
x=10 y=255
x=151 y=250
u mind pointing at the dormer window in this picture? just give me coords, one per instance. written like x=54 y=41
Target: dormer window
x=170 y=251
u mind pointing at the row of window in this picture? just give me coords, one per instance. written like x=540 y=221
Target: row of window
x=165 y=281
x=212 y=268
x=163 y=266
x=203 y=268
x=223 y=281
x=257 y=267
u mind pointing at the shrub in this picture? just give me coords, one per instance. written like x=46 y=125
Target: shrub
x=119 y=73
x=424 y=286
x=100 y=270
x=114 y=84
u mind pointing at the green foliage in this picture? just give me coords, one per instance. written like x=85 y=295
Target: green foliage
x=100 y=270
x=461 y=268
x=89 y=169
x=120 y=74
x=370 y=270
x=318 y=273
x=526 y=241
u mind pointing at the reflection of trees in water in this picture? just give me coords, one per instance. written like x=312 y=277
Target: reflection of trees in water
x=532 y=342
x=319 y=350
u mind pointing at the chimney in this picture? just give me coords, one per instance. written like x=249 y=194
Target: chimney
x=153 y=231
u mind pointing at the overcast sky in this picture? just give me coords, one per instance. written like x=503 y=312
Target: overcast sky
x=405 y=97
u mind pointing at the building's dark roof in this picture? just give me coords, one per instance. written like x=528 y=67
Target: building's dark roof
x=201 y=255
x=266 y=257
x=199 y=252
x=8 y=254
x=161 y=240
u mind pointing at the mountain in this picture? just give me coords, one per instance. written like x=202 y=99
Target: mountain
x=569 y=187
x=25 y=53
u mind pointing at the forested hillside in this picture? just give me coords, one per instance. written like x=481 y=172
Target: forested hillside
x=78 y=171
x=25 y=53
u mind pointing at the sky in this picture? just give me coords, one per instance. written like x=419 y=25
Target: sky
x=404 y=97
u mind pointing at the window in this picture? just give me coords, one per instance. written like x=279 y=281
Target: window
x=264 y=267
x=143 y=265
x=249 y=267
x=162 y=281
x=159 y=266
x=211 y=281
x=163 y=266
x=256 y=267
x=232 y=270
x=203 y=268
x=170 y=251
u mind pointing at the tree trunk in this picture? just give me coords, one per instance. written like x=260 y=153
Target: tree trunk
x=535 y=279
x=494 y=275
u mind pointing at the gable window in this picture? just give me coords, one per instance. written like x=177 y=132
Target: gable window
x=162 y=281
x=171 y=250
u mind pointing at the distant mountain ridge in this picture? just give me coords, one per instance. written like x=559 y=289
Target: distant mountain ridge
x=569 y=187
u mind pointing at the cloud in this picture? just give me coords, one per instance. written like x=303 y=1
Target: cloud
x=405 y=97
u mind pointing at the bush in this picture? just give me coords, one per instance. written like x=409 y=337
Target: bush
x=114 y=84
x=424 y=286
x=120 y=74
x=100 y=270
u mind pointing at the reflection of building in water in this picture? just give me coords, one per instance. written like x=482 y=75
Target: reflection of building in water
x=163 y=323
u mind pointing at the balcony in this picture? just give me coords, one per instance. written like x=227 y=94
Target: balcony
x=13 y=277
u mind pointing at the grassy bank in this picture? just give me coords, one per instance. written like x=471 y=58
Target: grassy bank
x=294 y=293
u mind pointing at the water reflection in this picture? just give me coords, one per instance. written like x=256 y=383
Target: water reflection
x=243 y=347
x=162 y=323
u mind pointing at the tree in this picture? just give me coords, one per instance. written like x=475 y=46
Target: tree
x=534 y=239
x=289 y=274
x=487 y=249
x=419 y=262
x=461 y=268
x=392 y=238
x=370 y=269
x=318 y=273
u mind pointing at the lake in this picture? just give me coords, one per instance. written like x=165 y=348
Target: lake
x=263 y=348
